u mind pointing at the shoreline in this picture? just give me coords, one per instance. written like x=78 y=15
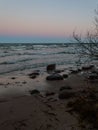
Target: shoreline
x=23 y=83
x=36 y=103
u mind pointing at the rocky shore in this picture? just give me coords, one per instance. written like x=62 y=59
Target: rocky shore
x=53 y=100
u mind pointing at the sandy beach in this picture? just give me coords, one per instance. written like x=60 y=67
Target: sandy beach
x=38 y=104
x=48 y=65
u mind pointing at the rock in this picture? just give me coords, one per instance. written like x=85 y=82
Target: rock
x=24 y=82
x=13 y=78
x=93 y=76
x=34 y=92
x=65 y=75
x=89 y=67
x=58 y=71
x=75 y=71
x=79 y=70
x=34 y=74
x=51 y=67
x=50 y=93
x=54 y=77
x=65 y=87
x=66 y=95
x=95 y=71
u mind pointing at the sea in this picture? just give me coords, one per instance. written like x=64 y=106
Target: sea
x=21 y=58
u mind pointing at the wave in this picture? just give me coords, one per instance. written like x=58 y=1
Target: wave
x=14 y=62
x=34 y=66
x=21 y=57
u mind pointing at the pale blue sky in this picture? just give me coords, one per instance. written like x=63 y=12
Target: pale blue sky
x=44 y=20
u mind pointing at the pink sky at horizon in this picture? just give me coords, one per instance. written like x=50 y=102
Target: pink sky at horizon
x=40 y=28
x=45 y=18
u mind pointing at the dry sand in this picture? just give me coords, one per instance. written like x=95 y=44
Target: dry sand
x=21 y=111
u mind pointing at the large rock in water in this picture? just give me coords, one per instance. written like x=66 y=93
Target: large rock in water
x=51 y=67
x=54 y=77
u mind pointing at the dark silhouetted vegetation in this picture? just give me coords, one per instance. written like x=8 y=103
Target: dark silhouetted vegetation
x=86 y=108
x=89 y=44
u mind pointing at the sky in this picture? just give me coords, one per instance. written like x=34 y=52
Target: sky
x=44 y=20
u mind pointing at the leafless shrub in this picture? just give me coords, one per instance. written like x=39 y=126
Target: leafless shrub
x=89 y=44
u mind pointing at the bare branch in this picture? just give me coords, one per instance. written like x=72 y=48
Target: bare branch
x=89 y=44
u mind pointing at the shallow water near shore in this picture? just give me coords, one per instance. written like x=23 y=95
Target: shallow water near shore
x=21 y=58
x=18 y=60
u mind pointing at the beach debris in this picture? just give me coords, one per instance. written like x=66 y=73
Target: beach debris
x=35 y=91
x=51 y=68
x=65 y=88
x=54 y=76
x=66 y=94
